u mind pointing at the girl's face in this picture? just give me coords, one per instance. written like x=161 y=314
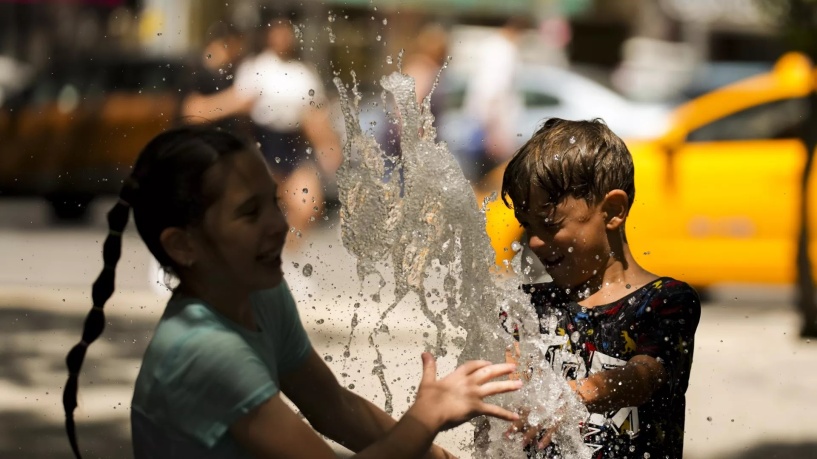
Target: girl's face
x=243 y=232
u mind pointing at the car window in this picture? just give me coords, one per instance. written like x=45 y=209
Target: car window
x=539 y=99
x=453 y=99
x=146 y=77
x=774 y=120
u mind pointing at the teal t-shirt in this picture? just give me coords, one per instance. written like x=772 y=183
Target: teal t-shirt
x=201 y=372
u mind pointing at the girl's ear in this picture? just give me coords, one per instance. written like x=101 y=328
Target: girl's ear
x=178 y=246
x=615 y=207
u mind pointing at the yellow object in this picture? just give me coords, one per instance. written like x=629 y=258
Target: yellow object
x=718 y=196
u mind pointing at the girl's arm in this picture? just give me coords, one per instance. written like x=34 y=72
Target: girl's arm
x=274 y=430
x=335 y=411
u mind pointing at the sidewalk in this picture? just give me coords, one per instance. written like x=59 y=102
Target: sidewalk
x=752 y=393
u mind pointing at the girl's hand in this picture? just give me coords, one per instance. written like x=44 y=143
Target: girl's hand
x=458 y=397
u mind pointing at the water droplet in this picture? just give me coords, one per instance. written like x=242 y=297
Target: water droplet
x=385 y=21
x=572 y=140
x=516 y=246
x=627 y=286
x=305 y=190
x=328 y=358
x=709 y=418
x=570 y=249
x=308 y=150
x=277 y=159
x=159 y=34
x=311 y=92
x=331 y=18
x=307 y=271
x=351 y=386
x=378 y=38
x=209 y=56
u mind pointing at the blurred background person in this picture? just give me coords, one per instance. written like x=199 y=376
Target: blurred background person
x=224 y=49
x=425 y=58
x=492 y=102
x=286 y=101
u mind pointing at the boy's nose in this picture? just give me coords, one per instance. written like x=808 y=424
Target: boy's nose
x=535 y=242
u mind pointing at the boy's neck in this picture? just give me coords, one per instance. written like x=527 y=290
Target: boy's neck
x=620 y=278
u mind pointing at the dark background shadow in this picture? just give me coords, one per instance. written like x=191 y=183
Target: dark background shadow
x=805 y=450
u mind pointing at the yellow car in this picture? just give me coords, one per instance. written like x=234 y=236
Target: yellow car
x=718 y=196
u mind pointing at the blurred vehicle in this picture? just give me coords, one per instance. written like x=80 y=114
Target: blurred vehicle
x=75 y=130
x=718 y=195
x=713 y=75
x=547 y=92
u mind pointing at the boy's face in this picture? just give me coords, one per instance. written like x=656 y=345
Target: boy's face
x=569 y=238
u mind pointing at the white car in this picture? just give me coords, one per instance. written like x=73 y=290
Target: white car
x=549 y=92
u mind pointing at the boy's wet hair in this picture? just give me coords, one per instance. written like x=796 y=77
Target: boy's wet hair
x=166 y=189
x=582 y=159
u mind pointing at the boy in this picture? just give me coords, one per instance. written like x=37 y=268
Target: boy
x=621 y=336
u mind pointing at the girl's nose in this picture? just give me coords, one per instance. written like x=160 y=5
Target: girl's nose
x=276 y=222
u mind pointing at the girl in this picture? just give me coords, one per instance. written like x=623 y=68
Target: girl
x=230 y=341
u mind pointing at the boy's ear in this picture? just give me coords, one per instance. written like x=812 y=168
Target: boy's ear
x=615 y=206
x=178 y=245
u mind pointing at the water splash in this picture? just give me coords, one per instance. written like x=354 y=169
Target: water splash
x=432 y=219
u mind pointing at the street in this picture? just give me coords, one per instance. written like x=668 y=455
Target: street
x=752 y=393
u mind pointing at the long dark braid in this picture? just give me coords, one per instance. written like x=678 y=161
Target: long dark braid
x=102 y=290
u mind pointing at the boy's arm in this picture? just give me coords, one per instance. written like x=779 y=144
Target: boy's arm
x=630 y=385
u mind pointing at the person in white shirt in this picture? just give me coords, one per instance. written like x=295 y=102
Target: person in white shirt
x=286 y=101
x=492 y=101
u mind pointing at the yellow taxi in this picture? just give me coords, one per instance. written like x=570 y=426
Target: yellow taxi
x=718 y=196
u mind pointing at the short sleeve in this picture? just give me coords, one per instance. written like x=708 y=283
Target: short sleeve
x=247 y=82
x=291 y=336
x=672 y=316
x=211 y=379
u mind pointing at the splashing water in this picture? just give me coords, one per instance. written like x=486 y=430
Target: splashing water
x=431 y=219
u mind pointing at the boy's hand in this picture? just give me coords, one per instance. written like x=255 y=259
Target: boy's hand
x=512 y=355
x=531 y=433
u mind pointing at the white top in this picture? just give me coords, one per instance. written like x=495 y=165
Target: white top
x=282 y=90
x=490 y=93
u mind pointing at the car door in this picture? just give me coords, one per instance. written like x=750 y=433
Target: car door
x=732 y=196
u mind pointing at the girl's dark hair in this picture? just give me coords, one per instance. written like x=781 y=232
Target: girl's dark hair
x=165 y=190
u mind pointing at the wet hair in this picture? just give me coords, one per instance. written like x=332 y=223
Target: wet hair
x=582 y=159
x=166 y=189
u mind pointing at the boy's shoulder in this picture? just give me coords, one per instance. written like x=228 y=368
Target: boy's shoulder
x=665 y=289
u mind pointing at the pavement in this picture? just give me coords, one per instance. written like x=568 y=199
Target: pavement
x=752 y=392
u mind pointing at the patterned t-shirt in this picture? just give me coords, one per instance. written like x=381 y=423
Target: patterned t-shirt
x=658 y=320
